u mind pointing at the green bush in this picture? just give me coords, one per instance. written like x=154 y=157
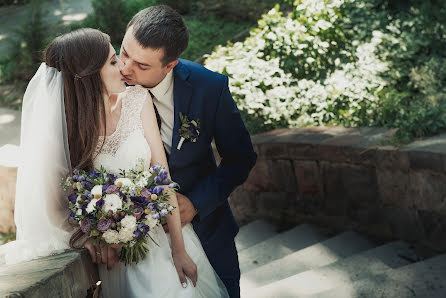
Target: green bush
x=344 y=62
x=29 y=41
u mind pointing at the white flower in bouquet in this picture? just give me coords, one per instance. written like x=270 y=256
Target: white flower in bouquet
x=142 y=182
x=91 y=206
x=111 y=236
x=125 y=235
x=122 y=182
x=146 y=174
x=129 y=222
x=79 y=212
x=112 y=202
x=97 y=191
x=151 y=222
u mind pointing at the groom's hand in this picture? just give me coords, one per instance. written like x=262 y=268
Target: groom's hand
x=187 y=211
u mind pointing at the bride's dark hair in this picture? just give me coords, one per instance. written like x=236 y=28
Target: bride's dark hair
x=79 y=55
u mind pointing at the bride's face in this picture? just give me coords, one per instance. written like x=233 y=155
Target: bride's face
x=111 y=74
x=142 y=66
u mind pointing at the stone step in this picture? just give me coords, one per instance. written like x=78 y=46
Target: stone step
x=68 y=274
x=422 y=279
x=253 y=233
x=314 y=256
x=341 y=273
x=279 y=246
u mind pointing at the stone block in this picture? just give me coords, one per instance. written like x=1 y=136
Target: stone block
x=69 y=274
x=434 y=225
x=390 y=157
x=404 y=223
x=270 y=176
x=243 y=205
x=333 y=153
x=393 y=186
x=423 y=160
x=274 y=151
x=8 y=178
x=427 y=191
x=348 y=185
x=361 y=155
x=308 y=177
x=303 y=152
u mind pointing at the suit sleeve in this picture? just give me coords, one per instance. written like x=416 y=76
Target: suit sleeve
x=234 y=145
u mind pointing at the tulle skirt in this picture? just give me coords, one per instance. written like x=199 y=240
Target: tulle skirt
x=156 y=276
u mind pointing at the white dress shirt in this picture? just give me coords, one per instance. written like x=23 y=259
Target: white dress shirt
x=163 y=100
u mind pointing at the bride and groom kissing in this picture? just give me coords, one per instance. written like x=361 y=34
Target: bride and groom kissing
x=98 y=109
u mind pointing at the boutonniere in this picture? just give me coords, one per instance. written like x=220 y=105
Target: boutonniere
x=189 y=130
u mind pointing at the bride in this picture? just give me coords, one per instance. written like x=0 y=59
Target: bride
x=78 y=113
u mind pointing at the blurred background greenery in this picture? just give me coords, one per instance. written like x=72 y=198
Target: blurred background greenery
x=291 y=63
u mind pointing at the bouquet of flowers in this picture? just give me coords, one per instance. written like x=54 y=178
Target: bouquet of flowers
x=121 y=209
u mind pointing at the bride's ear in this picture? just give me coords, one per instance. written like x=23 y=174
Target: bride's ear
x=171 y=65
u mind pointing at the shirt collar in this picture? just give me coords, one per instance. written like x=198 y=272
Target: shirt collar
x=161 y=89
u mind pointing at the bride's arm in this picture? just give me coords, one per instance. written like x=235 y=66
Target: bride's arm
x=182 y=261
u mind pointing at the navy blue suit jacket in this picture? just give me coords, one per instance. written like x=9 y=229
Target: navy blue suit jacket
x=204 y=95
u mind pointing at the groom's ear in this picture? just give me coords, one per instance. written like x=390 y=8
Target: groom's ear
x=171 y=65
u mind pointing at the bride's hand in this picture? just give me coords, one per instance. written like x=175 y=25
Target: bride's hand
x=102 y=255
x=185 y=267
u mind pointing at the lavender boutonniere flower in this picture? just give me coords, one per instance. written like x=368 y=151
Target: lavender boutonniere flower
x=189 y=130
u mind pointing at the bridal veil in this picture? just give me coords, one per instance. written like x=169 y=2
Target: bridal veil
x=41 y=209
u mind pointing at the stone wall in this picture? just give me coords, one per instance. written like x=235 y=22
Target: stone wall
x=344 y=179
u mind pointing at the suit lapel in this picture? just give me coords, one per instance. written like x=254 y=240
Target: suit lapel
x=182 y=98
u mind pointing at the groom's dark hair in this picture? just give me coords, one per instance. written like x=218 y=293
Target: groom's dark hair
x=161 y=27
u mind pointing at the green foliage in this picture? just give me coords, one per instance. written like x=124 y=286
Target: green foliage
x=343 y=62
x=13 y=2
x=208 y=31
x=29 y=41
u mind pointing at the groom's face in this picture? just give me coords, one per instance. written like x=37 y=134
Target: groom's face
x=142 y=66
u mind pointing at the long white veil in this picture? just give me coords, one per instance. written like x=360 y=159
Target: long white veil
x=41 y=209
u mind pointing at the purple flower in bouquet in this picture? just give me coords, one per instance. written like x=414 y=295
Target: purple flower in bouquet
x=164 y=212
x=137 y=233
x=155 y=216
x=87 y=185
x=163 y=173
x=85 y=225
x=100 y=203
x=137 y=212
x=173 y=185
x=88 y=194
x=104 y=224
x=144 y=228
x=84 y=209
x=94 y=174
x=152 y=206
x=112 y=189
x=156 y=168
x=75 y=178
x=146 y=193
x=72 y=198
x=139 y=201
x=165 y=181
x=158 y=179
x=157 y=190
x=76 y=172
x=105 y=186
x=81 y=178
x=72 y=214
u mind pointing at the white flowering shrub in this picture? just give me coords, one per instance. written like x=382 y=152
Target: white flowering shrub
x=324 y=63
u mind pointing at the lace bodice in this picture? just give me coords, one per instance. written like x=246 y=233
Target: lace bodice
x=126 y=145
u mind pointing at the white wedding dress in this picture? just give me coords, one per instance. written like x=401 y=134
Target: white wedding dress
x=155 y=276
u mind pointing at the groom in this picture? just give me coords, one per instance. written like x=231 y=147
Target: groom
x=154 y=40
